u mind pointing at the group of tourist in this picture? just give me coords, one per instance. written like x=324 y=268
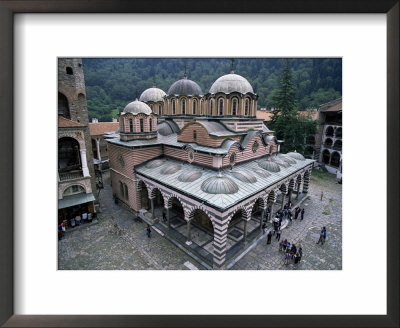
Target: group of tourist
x=291 y=252
x=75 y=221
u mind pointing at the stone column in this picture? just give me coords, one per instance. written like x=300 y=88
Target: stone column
x=98 y=149
x=84 y=163
x=290 y=195
x=271 y=212
x=305 y=185
x=298 y=190
x=168 y=223
x=152 y=207
x=188 y=241
x=283 y=201
x=245 y=232
x=219 y=244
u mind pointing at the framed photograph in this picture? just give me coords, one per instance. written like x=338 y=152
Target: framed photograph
x=45 y=43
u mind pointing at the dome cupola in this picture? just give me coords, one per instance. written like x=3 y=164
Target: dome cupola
x=152 y=95
x=231 y=83
x=219 y=185
x=137 y=107
x=185 y=87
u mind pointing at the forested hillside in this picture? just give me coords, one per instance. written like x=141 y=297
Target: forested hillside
x=113 y=83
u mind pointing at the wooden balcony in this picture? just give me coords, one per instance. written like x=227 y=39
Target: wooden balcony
x=70 y=175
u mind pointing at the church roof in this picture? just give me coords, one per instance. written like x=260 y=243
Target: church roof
x=66 y=123
x=185 y=87
x=218 y=192
x=97 y=129
x=137 y=107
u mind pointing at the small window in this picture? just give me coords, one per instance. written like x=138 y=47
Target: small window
x=183 y=107
x=194 y=107
x=246 y=107
x=130 y=125
x=121 y=161
x=234 y=107
x=121 y=189
x=150 y=124
x=211 y=107
x=69 y=70
x=232 y=158
x=221 y=107
x=141 y=125
x=255 y=146
x=173 y=106
x=159 y=110
x=194 y=135
x=201 y=107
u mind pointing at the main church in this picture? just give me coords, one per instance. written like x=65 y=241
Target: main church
x=202 y=167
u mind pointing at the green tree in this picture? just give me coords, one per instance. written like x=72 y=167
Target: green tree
x=289 y=125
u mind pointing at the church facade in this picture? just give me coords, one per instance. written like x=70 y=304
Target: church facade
x=203 y=167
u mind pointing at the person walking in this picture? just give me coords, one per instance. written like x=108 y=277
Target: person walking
x=296 y=258
x=281 y=247
x=284 y=245
x=269 y=236
x=300 y=253
x=278 y=234
x=321 y=237
x=296 y=213
x=322 y=195
x=302 y=214
x=164 y=217
x=148 y=231
x=290 y=215
x=287 y=257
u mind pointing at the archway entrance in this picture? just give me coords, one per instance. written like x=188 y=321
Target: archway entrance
x=335 y=159
x=326 y=156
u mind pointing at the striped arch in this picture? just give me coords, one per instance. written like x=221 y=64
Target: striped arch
x=299 y=179
x=306 y=181
x=261 y=202
x=152 y=194
x=139 y=185
x=168 y=200
x=283 y=188
x=272 y=196
x=245 y=214
x=199 y=209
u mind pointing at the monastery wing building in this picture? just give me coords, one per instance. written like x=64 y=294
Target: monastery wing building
x=203 y=166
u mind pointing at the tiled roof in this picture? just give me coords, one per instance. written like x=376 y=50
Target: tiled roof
x=266 y=116
x=103 y=127
x=220 y=200
x=332 y=106
x=66 y=123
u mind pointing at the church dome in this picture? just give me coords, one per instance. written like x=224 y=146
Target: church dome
x=137 y=107
x=280 y=162
x=170 y=169
x=269 y=166
x=262 y=173
x=219 y=185
x=231 y=83
x=152 y=94
x=286 y=159
x=296 y=155
x=155 y=163
x=244 y=176
x=190 y=176
x=185 y=87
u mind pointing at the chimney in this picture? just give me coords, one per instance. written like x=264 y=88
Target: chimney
x=114 y=120
x=95 y=120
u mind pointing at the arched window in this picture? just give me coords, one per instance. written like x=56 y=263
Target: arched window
x=173 y=107
x=159 y=110
x=220 y=107
x=75 y=189
x=183 y=107
x=68 y=155
x=234 y=107
x=194 y=106
x=194 y=135
x=201 y=107
x=121 y=189
x=63 y=107
x=141 y=125
x=130 y=125
x=211 y=107
x=150 y=124
x=126 y=196
x=69 y=70
x=246 y=107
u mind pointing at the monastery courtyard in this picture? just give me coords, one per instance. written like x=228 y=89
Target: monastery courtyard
x=118 y=242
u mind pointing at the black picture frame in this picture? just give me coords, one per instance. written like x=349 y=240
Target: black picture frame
x=7 y=11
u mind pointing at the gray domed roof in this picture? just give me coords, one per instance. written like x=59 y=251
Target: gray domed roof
x=170 y=169
x=276 y=160
x=152 y=94
x=155 y=163
x=286 y=159
x=269 y=166
x=190 y=176
x=165 y=128
x=262 y=173
x=137 y=107
x=219 y=185
x=185 y=87
x=296 y=155
x=231 y=83
x=244 y=176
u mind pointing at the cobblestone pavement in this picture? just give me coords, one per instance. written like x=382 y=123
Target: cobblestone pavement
x=327 y=212
x=117 y=242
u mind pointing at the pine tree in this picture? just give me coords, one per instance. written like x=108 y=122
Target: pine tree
x=286 y=122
